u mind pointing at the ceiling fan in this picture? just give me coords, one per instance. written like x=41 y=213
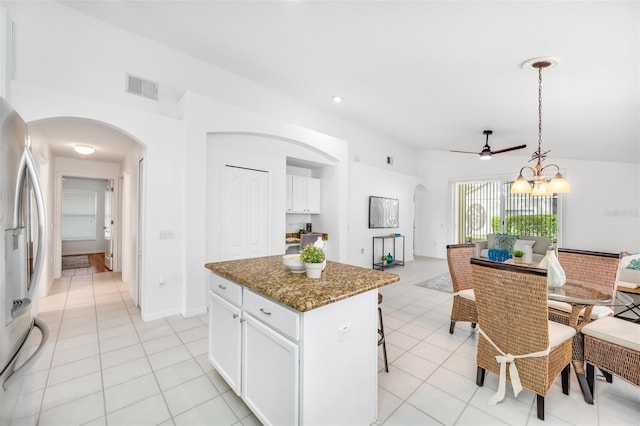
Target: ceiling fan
x=486 y=152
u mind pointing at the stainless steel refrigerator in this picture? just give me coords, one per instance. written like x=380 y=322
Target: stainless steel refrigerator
x=22 y=216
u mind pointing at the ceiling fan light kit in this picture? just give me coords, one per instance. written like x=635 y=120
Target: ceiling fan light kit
x=541 y=185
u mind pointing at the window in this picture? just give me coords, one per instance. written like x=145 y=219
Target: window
x=78 y=214
x=487 y=207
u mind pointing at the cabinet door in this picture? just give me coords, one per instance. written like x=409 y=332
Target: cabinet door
x=289 y=207
x=225 y=340
x=313 y=195
x=298 y=194
x=270 y=372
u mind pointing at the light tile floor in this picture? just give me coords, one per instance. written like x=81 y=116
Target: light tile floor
x=104 y=366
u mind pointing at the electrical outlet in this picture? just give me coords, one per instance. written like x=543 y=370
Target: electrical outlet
x=344 y=332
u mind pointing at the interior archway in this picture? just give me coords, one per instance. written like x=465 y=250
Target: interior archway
x=115 y=158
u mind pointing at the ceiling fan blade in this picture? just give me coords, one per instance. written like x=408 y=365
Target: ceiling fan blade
x=464 y=152
x=513 y=148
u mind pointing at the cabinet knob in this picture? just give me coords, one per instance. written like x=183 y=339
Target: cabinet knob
x=222 y=287
x=267 y=313
x=235 y=316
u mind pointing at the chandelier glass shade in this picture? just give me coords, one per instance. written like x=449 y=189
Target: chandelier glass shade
x=538 y=184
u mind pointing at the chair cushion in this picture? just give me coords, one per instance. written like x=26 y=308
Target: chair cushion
x=629 y=276
x=558 y=333
x=627 y=284
x=615 y=330
x=467 y=294
x=596 y=313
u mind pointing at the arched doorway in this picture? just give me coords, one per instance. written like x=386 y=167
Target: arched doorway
x=115 y=159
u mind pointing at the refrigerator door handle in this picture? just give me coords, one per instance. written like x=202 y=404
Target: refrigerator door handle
x=27 y=163
x=15 y=374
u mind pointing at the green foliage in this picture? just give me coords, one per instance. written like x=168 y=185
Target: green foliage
x=545 y=225
x=312 y=254
x=518 y=253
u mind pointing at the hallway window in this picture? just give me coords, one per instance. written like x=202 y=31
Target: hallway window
x=487 y=207
x=78 y=214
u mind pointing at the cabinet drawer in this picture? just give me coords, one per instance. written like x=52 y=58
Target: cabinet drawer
x=272 y=314
x=225 y=289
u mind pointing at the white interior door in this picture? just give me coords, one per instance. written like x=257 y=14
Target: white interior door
x=108 y=225
x=245 y=217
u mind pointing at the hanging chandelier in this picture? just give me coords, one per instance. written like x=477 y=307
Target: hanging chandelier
x=541 y=184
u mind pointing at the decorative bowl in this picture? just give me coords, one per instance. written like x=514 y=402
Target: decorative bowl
x=293 y=263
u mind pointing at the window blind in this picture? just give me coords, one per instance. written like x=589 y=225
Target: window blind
x=78 y=214
x=487 y=207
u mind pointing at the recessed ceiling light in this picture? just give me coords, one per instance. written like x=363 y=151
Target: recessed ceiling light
x=337 y=99
x=84 y=149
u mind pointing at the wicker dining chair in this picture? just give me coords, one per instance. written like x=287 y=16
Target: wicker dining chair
x=517 y=341
x=594 y=268
x=464 y=305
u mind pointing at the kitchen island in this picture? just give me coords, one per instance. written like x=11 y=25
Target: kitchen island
x=297 y=350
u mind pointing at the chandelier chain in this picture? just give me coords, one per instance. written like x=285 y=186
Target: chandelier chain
x=539 y=108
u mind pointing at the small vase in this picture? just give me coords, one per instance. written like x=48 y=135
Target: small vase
x=314 y=270
x=517 y=259
x=555 y=273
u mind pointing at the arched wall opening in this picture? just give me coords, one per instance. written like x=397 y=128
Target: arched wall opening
x=115 y=160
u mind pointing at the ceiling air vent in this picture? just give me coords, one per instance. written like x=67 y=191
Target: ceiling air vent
x=141 y=87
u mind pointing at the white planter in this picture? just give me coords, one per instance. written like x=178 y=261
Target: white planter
x=314 y=270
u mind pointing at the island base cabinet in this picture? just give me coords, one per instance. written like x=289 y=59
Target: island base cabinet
x=225 y=341
x=270 y=368
x=339 y=368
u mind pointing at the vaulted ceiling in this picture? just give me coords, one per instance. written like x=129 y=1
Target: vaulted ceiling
x=430 y=74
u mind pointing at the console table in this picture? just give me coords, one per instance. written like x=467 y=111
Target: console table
x=388 y=247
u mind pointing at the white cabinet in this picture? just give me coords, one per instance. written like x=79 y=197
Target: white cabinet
x=270 y=374
x=225 y=339
x=253 y=345
x=312 y=368
x=303 y=195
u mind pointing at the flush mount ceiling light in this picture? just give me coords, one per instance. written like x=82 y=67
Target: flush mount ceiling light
x=541 y=185
x=84 y=149
x=337 y=99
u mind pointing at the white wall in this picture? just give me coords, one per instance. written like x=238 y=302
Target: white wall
x=64 y=49
x=96 y=245
x=597 y=215
x=59 y=73
x=218 y=132
x=68 y=64
x=365 y=181
x=259 y=152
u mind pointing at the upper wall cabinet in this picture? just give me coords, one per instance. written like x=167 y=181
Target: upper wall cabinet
x=303 y=195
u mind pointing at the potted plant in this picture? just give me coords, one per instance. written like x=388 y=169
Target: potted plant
x=517 y=256
x=313 y=259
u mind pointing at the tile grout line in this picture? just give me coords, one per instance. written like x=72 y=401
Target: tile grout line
x=55 y=345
